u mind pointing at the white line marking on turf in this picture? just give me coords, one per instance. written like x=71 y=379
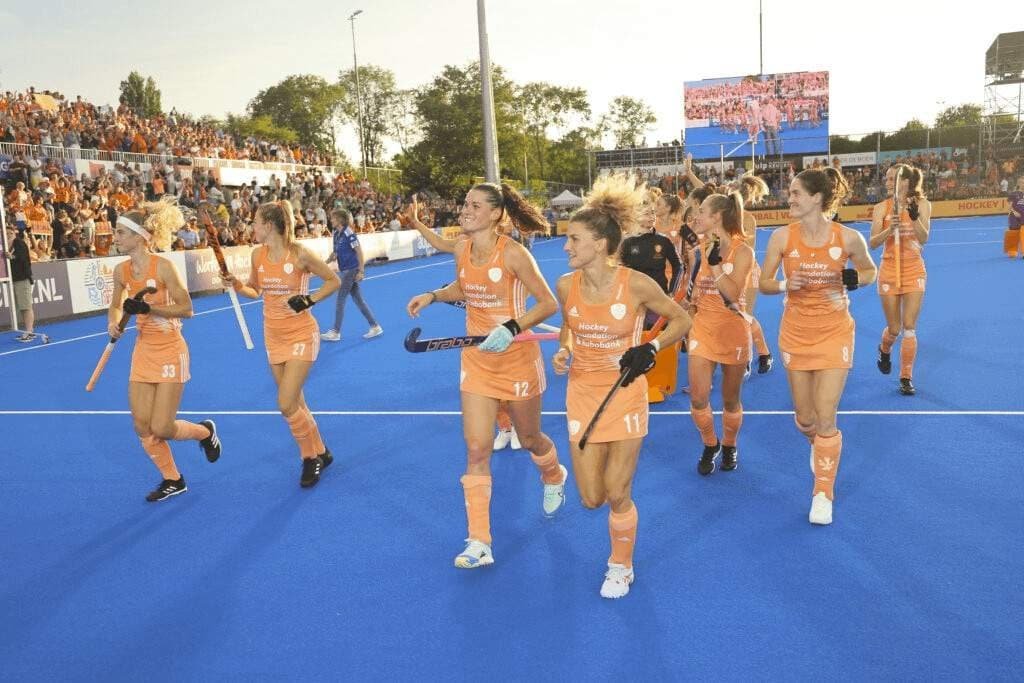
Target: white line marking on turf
x=449 y=413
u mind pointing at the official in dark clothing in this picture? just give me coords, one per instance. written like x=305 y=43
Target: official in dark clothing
x=21 y=277
x=648 y=253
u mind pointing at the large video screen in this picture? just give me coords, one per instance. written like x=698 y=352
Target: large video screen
x=767 y=115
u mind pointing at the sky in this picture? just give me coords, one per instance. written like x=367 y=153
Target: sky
x=213 y=57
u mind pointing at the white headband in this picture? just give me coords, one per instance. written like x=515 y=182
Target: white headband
x=134 y=227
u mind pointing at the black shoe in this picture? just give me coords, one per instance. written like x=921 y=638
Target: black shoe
x=729 y=458
x=211 y=444
x=707 y=459
x=326 y=458
x=907 y=387
x=311 y=468
x=166 y=489
x=765 y=364
x=884 y=361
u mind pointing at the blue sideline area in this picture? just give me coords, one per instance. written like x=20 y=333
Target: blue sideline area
x=249 y=577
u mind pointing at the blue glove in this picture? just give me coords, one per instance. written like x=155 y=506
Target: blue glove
x=501 y=337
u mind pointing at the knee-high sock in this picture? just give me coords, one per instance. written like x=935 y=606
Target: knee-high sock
x=550 y=473
x=888 y=339
x=302 y=432
x=705 y=421
x=731 y=423
x=622 y=530
x=758 y=336
x=807 y=430
x=504 y=421
x=827 y=452
x=160 y=453
x=318 y=442
x=908 y=352
x=189 y=431
x=477 y=490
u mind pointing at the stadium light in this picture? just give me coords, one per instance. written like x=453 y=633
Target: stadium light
x=487 y=95
x=359 y=95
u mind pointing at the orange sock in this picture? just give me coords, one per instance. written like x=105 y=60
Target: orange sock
x=189 y=431
x=160 y=453
x=705 y=422
x=731 y=423
x=807 y=430
x=318 y=443
x=477 y=490
x=550 y=472
x=302 y=432
x=827 y=451
x=504 y=421
x=908 y=352
x=622 y=530
x=758 y=335
x=888 y=339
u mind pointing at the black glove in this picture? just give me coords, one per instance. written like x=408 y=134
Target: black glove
x=714 y=256
x=512 y=326
x=913 y=210
x=689 y=236
x=135 y=307
x=300 y=302
x=638 y=360
x=850 y=279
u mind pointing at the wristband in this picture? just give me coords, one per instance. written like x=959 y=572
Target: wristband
x=433 y=295
x=655 y=344
x=782 y=285
x=564 y=348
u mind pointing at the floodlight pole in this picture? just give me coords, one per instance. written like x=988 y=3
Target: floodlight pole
x=487 y=97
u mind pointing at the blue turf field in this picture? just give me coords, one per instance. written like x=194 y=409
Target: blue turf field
x=248 y=577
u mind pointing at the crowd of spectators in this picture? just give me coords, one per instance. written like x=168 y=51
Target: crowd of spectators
x=48 y=118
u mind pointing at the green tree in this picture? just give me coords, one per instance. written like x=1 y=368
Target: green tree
x=305 y=104
x=544 y=106
x=381 y=106
x=141 y=95
x=628 y=119
x=261 y=127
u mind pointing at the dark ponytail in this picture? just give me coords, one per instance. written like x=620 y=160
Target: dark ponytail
x=525 y=216
x=731 y=208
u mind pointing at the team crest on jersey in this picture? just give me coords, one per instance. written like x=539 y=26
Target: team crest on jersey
x=657 y=248
x=691 y=344
x=835 y=253
x=574 y=426
x=885 y=288
x=618 y=311
x=151 y=282
x=727 y=268
x=786 y=357
x=573 y=312
x=494 y=274
x=634 y=250
x=288 y=268
x=794 y=254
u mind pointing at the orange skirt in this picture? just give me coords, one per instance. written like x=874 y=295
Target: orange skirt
x=723 y=339
x=913 y=277
x=160 y=359
x=822 y=342
x=625 y=416
x=288 y=339
x=513 y=375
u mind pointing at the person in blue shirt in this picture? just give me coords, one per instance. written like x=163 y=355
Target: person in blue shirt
x=350 y=270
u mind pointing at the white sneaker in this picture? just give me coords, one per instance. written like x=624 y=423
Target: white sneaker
x=821 y=509
x=616 y=581
x=374 y=331
x=515 y=440
x=331 y=335
x=503 y=438
x=476 y=554
x=554 y=494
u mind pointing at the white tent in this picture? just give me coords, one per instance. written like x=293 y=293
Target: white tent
x=567 y=199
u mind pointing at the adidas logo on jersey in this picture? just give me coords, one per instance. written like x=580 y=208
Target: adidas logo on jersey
x=573 y=312
x=260 y=269
x=794 y=254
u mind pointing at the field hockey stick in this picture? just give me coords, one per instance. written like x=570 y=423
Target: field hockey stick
x=125 y=317
x=214 y=241
x=895 y=224
x=413 y=344
x=600 y=409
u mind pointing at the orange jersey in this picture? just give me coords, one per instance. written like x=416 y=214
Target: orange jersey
x=600 y=334
x=817 y=330
x=493 y=295
x=719 y=334
x=913 y=275
x=160 y=354
x=287 y=335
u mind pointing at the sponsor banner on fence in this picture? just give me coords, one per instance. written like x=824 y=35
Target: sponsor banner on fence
x=51 y=293
x=203 y=271
x=851 y=159
x=92 y=280
x=862 y=212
